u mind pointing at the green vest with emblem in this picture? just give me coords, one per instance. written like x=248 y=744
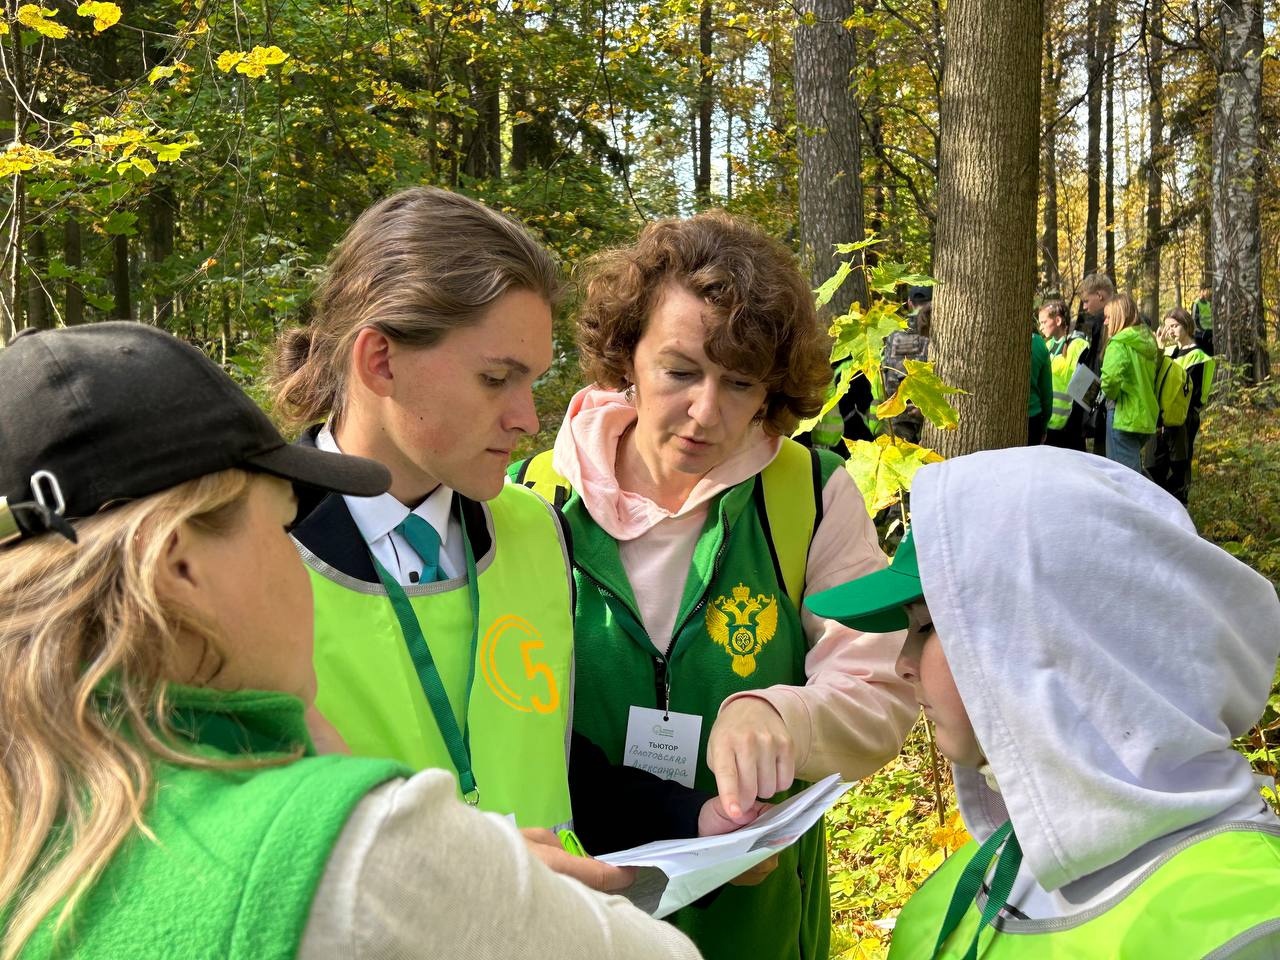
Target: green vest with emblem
x=1064 y=357
x=237 y=854
x=518 y=717
x=1217 y=890
x=738 y=629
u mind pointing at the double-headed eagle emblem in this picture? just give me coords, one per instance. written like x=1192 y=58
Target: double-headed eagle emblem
x=742 y=625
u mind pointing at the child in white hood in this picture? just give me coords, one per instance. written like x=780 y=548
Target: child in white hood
x=1090 y=736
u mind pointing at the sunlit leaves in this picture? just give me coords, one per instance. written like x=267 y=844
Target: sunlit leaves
x=828 y=289
x=104 y=14
x=21 y=157
x=885 y=278
x=40 y=20
x=883 y=469
x=859 y=336
x=254 y=63
x=923 y=388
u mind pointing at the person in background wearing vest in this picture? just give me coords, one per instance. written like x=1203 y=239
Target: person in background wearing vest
x=1171 y=467
x=1091 y=747
x=443 y=610
x=1040 y=392
x=161 y=795
x=1067 y=350
x=1128 y=382
x=1095 y=291
x=697 y=529
x=1202 y=314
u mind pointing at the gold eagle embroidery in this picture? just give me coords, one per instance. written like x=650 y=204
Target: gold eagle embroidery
x=742 y=626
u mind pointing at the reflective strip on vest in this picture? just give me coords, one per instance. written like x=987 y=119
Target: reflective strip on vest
x=519 y=714
x=1211 y=889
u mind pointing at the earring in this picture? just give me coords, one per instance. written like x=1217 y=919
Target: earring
x=629 y=394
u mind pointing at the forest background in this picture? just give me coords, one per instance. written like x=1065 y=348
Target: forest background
x=190 y=165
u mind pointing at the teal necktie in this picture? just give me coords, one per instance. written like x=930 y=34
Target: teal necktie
x=425 y=541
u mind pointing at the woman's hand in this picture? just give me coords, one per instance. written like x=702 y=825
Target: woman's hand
x=752 y=755
x=596 y=874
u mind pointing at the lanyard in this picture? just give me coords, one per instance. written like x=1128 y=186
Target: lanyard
x=457 y=741
x=971 y=879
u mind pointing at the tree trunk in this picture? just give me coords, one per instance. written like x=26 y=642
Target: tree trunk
x=1109 y=218
x=1237 y=165
x=120 y=279
x=829 y=142
x=73 y=256
x=162 y=216
x=39 y=306
x=1093 y=150
x=1153 y=27
x=702 y=180
x=1050 y=276
x=987 y=215
x=11 y=116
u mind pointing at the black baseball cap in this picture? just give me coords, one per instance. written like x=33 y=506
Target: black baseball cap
x=920 y=295
x=108 y=412
x=875 y=603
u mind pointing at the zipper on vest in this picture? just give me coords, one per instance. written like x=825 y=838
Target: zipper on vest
x=662 y=685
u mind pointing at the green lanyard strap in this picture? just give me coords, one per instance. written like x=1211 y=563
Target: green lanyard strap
x=971 y=880
x=457 y=741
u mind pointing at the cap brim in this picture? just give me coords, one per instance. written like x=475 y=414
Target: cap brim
x=873 y=604
x=338 y=472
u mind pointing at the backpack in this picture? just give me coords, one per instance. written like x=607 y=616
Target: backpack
x=1173 y=391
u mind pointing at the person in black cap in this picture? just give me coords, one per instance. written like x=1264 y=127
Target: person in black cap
x=1091 y=743
x=159 y=793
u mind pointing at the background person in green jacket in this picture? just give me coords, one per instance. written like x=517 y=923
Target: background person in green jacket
x=159 y=791
x=1091 y=743
x=1128 y=381
x=1040 y=396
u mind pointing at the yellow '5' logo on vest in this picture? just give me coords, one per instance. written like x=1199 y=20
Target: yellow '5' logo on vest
x=742 y=625
x=506 y=651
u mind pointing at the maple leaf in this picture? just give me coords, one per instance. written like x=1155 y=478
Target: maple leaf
x=859 y=337
x=883 y=468
x=922 y=387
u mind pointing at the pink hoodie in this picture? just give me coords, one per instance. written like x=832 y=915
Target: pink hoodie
x=854 y=712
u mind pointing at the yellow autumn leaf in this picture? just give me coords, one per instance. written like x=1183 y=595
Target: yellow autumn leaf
x=168 y=152
x=883 y=470
x=21 y=157
x=104 y=14
x=4 y=27
x=259 y=58
x=228 y=59
x=37 y=18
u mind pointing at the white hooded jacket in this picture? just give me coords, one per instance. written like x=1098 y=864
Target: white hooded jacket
x=1106 y=655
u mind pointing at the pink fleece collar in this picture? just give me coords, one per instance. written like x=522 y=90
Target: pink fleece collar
x=586 y=451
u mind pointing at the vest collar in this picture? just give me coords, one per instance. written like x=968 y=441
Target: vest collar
x=239 y=722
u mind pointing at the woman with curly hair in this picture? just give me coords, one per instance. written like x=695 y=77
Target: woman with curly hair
x=698 y=528
x=159 y=792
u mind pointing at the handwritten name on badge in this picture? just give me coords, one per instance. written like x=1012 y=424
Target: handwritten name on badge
x=665 y=746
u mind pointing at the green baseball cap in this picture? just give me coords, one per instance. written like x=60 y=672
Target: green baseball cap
x=874 y=603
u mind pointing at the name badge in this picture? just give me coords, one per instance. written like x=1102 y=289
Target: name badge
x=665 y=746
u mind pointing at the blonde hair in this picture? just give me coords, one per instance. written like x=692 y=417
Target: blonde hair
x=1121 y=311
x=414 y=266
x=86 y=646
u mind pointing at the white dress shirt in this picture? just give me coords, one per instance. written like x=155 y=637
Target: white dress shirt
x=377 y=517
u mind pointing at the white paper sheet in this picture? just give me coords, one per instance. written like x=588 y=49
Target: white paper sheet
x=695 y=867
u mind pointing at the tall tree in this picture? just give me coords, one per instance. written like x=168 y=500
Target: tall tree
x=1094 y=50
x=1109 y=204
x=706 y=103
x=1153 y=29
x=1050 y=273
x=1237 y=241
x=829 y=141
x=986 y=216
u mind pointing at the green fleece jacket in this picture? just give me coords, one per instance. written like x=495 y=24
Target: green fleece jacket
x=1129 y=379
x=1040 y=397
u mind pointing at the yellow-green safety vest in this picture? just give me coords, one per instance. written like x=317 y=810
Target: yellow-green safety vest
x=1064 y=357
x=1190 y=359
x=1215 y=893
x=518 y=717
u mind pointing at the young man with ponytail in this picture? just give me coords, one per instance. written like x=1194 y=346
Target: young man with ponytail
x=159 y=793
x=444 y=614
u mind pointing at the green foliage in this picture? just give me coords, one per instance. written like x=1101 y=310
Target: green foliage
x=1235 y=502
